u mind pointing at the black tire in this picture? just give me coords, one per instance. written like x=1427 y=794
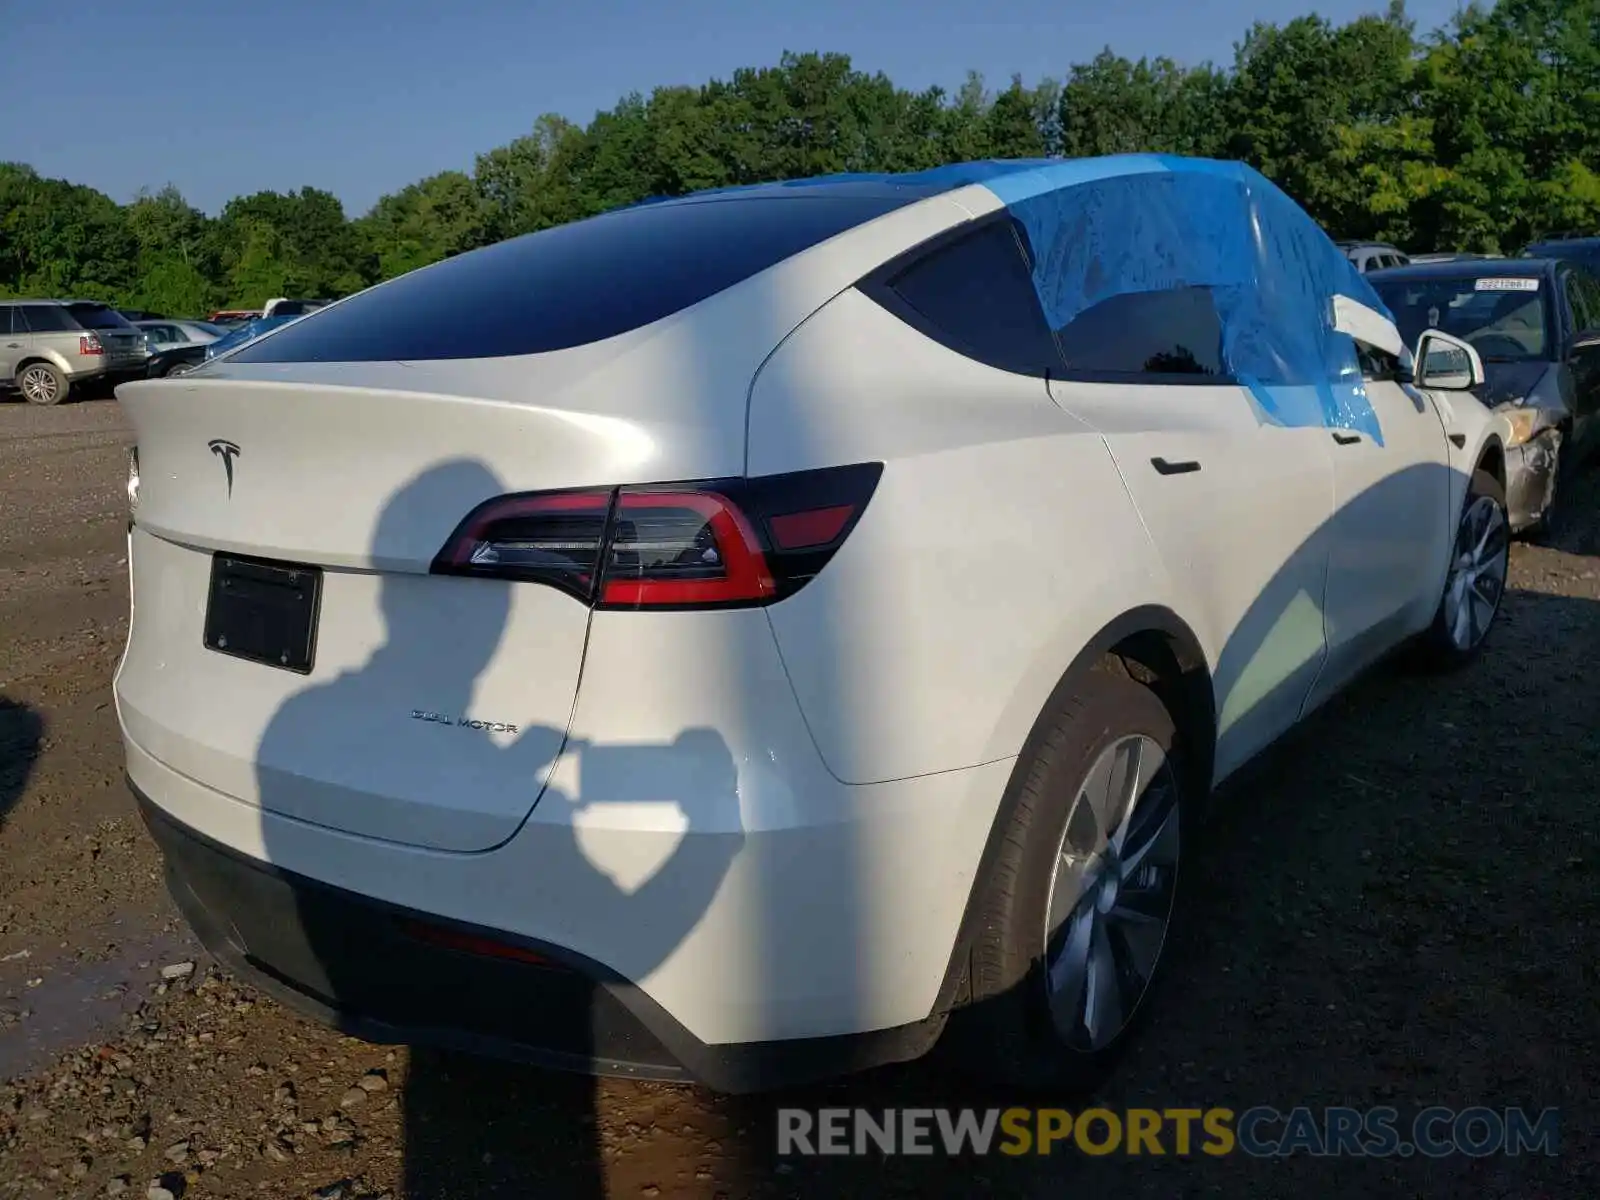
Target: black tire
x=51 y=387
x=1006 y=1033
x=1441 y=646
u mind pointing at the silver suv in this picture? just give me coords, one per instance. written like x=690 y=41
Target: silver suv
x=48 y=347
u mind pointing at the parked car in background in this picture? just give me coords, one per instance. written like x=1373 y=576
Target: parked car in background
x=1451 y=256
x=50 y=347
x=164 y=334
x=1016 y=504
x=232 y=318
x=176 y=360
x=1373 y=256
x=285 y=307
x=1579 y=248
x=138 y=314
x=247 y=332
x=1535 y=322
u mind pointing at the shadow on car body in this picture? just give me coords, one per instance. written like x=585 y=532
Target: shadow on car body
x=1296 y=989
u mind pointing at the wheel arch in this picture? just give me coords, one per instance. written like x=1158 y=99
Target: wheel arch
x=1492 y=458
x=1152 y=645
x=37 y=357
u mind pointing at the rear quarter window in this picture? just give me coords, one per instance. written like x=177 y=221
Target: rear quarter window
x=571 y=285
x=48 y=318
x=974 y=295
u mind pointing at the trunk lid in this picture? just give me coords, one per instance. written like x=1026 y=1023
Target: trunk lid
x=435 y=706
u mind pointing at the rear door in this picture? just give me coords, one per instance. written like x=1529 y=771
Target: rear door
x=1238 y=508
x=13 y=341
x=52 y=331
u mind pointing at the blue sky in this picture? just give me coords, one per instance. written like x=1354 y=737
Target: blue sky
x=361 y=97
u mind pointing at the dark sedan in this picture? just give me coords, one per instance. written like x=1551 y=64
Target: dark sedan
x=177 y=359
x=1535 y=322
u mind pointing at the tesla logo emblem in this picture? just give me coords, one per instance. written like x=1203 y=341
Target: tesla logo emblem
x=227 y=452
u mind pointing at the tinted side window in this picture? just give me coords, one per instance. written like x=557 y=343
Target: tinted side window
x=6 y=318
x=1176 y=332
x=48 y=318
x=976 y=296
x=570 y=285
x=1578 y=302
x=1589 y=286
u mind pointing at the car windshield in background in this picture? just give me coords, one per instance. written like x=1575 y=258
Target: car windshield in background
x=1504 y=318
x=208 y=327
x=571 y=285
x=99 y=316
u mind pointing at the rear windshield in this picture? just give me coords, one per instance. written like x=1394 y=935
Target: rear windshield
x=571 y=285
x=99 y=316
x=1505 y=318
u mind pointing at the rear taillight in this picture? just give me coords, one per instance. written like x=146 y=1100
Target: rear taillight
x=727 y=543
x=553 y=538
x=88 y=343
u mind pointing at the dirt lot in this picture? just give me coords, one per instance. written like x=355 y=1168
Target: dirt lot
x=1399 y=909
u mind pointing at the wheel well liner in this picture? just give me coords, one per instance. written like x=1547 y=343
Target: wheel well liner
x=1493 y=460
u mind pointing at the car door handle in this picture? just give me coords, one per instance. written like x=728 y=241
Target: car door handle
x=13 y=345
x=1346 y=439
x=1174 y=468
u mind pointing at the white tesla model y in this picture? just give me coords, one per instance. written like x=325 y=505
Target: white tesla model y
x=737 y=637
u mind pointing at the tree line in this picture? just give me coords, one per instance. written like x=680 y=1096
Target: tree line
x=1477 y=136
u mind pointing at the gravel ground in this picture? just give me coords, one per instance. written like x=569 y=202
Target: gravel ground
x=1398 y=909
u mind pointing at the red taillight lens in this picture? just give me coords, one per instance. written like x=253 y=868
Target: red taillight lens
x=90 y=344
x=553 y=538
x=678 y=549
x=720 y=544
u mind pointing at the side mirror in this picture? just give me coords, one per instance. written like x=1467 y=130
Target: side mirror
x=1447 y=364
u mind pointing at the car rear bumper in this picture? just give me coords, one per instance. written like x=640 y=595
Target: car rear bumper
x=392 y=975
x=690 y=840
x=81 y=370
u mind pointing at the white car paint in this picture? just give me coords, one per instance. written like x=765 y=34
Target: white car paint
x=839 y=756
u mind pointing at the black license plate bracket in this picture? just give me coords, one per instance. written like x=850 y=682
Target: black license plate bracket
x=263 y=611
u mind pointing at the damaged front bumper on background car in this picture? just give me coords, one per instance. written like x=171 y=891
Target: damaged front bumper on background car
x=1533 y=453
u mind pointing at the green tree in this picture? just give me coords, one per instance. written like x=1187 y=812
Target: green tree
x=1480 y=136
x=1114 y=106
x=435 y=218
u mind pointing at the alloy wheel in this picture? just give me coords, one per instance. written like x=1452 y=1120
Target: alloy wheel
x=1477 y=578
x=40 y=385
x=1111 y=892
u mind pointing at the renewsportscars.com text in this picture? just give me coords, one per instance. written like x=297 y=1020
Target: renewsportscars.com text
x=1259 y=1132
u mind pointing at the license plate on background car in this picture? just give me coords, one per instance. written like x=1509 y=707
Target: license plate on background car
x=264 y=611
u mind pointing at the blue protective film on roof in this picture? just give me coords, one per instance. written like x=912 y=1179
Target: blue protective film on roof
x=1106 y=227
